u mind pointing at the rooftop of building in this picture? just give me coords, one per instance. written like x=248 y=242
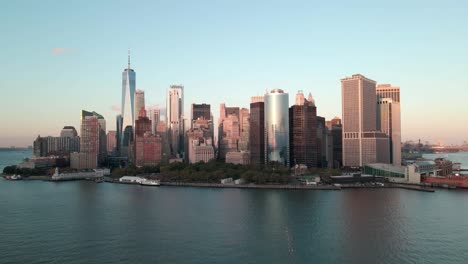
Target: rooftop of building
x=422 y=162
x=387 y=167
x=277 y=91
x=387 y=87
x=357 y=77
x=85 y=113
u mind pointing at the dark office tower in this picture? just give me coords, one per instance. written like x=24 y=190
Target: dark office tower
x=127 y=140
x=119 y=135
x=337 y=133
x=200 y=111
x=303 y=132
x=142 y=124
x=321 y=142
x=257 y=131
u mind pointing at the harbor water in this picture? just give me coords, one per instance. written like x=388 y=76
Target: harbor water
x=86 y=222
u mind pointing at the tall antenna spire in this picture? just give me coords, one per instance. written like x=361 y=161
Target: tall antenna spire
x=129 y=58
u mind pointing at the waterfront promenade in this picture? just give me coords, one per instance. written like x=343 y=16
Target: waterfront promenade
x=327 y=187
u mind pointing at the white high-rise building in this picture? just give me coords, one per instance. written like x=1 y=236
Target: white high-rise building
x=362 y=143
x=389 y=118
x=174 y=118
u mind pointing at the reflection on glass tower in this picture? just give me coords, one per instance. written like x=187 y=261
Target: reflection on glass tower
x=128 y=92
x=277 y=127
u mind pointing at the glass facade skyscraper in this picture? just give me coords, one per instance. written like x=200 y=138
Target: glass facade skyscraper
x=128 y=97
x=277 y=127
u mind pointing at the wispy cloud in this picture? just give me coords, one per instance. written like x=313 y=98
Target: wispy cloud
x=115 y=108
x=58 y=51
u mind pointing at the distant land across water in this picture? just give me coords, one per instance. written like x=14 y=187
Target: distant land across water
x=9 y=156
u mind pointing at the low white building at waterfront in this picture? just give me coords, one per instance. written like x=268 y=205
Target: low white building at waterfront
x=411 y=173
x=227 y=181
x=80 y=175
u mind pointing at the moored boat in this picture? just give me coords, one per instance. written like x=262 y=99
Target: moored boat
x=149 y=182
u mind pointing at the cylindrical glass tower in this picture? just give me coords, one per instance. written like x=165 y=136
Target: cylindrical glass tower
x=277 y=127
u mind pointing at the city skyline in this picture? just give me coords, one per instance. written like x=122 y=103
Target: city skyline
x=56 y=78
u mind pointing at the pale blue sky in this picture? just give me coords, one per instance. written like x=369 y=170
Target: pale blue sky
x=227 y=51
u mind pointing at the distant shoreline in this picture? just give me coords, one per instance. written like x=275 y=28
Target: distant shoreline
x=13 y=149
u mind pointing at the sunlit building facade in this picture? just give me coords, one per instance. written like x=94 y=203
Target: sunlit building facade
x=389 y=118
x=128 y=96
x=362 y=144
x=174 y=119
x=139 y=102
x=277 y=127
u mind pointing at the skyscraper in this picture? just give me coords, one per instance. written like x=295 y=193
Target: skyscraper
x=201 y=119
x=118 y=134
x=362 y=144
x=389 y=122
x=303 y=131
x=337 y=135
x=389 y=118
x=174 y=118
x=90 y=145
x=148 y=150
x=228 y=130
x=388 y=91
x=244 y=129
x=128 y=98
x=277 y=127
x=102 y=151
x=67 y=143
x=155 y=116
x=200 y=111
x=142 y=124
x=111 y=142
x=68 y=131
x=139 y=101
x=257 y=131
x=147 y=146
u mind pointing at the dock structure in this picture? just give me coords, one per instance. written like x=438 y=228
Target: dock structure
x=253 y=186
x=80 y=175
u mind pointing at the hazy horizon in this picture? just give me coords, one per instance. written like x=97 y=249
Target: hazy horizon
x=60 y=59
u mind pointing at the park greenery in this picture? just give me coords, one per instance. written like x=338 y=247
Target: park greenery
x=210 y=172
x=25 y=172
x=201 y=172
x=214 y=171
